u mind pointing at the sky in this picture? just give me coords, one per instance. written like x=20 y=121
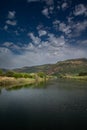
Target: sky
x=36 y=32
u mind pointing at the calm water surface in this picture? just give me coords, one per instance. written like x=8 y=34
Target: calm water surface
x=58 y=104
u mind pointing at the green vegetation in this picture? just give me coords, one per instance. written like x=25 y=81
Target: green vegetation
x=73 y=66
x=41 y=74
x=70 y=69
x=12 y=79
x=76 y=77
x=19 y=75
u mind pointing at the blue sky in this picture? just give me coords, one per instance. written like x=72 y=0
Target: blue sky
x=35 y=32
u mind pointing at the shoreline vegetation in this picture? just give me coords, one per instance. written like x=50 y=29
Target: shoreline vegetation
x=9 y=81
x=80 y=76
x=75 y=77
x=12 y=79
x=70 y=69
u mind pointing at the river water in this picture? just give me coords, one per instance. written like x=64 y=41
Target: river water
x=58 y=104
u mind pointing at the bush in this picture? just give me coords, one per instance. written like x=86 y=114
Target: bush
x=41 y=74
x=9 y=73
x=18 y=75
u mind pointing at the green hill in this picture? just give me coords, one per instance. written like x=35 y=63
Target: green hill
x=72 y=66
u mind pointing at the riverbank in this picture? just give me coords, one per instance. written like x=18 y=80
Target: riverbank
x=12 y=82
x=76 y=77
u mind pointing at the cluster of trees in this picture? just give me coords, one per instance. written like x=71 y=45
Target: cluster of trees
x=18 y=75
x=22 y=75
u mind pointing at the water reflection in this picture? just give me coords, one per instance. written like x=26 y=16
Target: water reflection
x=32 y=85
x=0 y=90
x=62 y=104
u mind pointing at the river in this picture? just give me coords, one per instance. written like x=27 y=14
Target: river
x=58 y=104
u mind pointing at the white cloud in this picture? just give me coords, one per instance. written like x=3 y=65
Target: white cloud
x=5 y=28
x=8 y=44
x=30 y=47
x=11 y=22
x=65 y=28
x=79 y=27
x=64 y=5
x=56 y=41
x=4 y=50
x=35 y=40
x=71 y=28
x=11 y=45
x=80 y=10
x=47 y=53
x=48 y=10
x=45 y=12
x=42 y=32
x=40 y=26
x=70 y=19
x=56 y=24
x=11 y=19
x=53 y=49
x=11 y=14
x=49 y=2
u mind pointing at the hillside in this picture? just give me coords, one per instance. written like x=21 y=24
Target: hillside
x=72 y=66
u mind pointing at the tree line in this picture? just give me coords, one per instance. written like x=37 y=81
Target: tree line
x=22 y=75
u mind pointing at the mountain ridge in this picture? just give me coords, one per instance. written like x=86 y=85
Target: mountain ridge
x=66 y=66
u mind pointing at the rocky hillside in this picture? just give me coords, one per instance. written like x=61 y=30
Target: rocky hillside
x=72 y=66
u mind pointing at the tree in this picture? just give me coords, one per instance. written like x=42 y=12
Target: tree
x=41 y=74
x=10 y=73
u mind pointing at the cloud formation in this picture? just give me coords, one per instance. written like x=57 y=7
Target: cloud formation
x=65 y=28
x=35 y=39
x=64 y=5
x=60 y=35
x=80 y=9
x=10 y=19
x=45 y=12
x=5 y=28
x=11 y=14
x=42 y=33
x=47 y=53
x=11 y=22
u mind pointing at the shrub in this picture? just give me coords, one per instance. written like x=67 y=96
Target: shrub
x=41 y=74
x=9 y=73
